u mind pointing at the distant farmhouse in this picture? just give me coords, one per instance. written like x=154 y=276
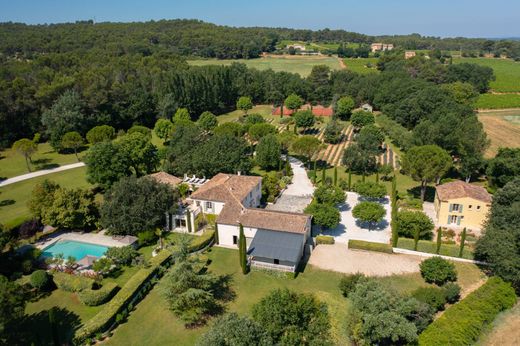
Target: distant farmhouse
x=296 y=47
x=409 y=54
x=275 y=240
x=377 y=47
x=459 y=204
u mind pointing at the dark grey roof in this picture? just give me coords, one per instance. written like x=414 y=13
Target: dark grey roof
x=283 y=246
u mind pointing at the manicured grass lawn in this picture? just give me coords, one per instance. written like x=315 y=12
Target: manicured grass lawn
x=507 y=72
x=359 y=65
x=431 y=247
x=294 y=64
x=263 y=110
x=498 y=101
x=12 y=163
x=14 y=197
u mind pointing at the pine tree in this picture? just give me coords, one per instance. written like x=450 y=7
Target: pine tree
x=281 y=110
x=242 y=248
x=335 y=175
x=216 y=234
x=188 y=220
x=323 y=176
x=315 y=173
x=462 y=242
x=439 y=240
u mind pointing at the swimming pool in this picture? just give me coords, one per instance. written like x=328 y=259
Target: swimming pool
x=73 y=248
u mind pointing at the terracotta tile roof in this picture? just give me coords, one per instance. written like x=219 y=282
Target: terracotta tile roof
x=165 y=178
x=460 y=189
x=225 y=187
x=318 y=111
x=274 y=220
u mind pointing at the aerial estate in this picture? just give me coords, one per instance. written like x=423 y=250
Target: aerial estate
x=177 y=182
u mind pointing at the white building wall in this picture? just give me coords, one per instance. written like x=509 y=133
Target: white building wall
x=217 y=206
x=226 y=233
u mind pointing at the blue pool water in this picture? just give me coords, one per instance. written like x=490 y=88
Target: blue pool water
x=76 y=249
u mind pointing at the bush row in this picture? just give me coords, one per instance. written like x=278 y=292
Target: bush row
x=462 y=323
x=398 y=133
x=72 y=283
x=102 y=320
x=97 y=297
x=324 y=239
x=451 y=250
x=370 y=246
x=201 y=242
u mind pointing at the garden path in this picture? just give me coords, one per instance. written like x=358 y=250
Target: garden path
x=23 y=177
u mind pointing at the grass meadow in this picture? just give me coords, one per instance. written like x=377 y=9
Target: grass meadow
x=359 y=65
x=498 y=101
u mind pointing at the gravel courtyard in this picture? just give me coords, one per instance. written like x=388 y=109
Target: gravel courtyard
x=339 y=258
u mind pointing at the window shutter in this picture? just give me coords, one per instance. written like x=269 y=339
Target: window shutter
x=460 y=208
x=458 y=220
x=451 y=207
x=449 y=219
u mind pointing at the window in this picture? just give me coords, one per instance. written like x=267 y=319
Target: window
x=452 y=219
x=197 y=203
x=478 y=207
x=456 y=207
x=235 y=240
x=470 y=206
x=209 y=205
x=276 y=261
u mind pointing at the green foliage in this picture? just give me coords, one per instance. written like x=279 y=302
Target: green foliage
x=438 y=270
x=163 y=128
x=72 y=283
x=359 y=119
x=146 y=237
x=72 y=140
x=304 y=119
x=358 y=160
x=12 y=304
x=462 y=242
x=244 y=103
x=426 y=164
x=324 y=239
x=462 y=323
x=40 y=279
x=478 y=76
x=207 y=121
x=293 y=102
x=101 y=133
x=427 y=246
x=145 y=131
x=91 y=297
x=122 y=255
x=306 y=146
x=370 y=189
x=433 y=296
x=399 y=134
x=102 y=265
x=139 y=151
x=230 y=128
x=332 y=132
x=133 y=205
x=329 y=194
x=106 y=164
x=324 y=215
x=259 y=130
x=369 y=246
x=293 y=318
x=270 y=186
x=233 y=329
x=202 y=241
x=499 y=246
x=371 y=212
x=463 y=93
x=349 y=282
x=504 y=167
x=268 y=152
x=451 y=292
x=409 y=223
x=27 y=148
x=181 y=116
x=242 y=250
x=344 y=107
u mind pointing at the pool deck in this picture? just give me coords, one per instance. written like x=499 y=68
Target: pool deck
x=92 y=238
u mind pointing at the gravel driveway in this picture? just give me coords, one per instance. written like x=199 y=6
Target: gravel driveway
x=339 y=258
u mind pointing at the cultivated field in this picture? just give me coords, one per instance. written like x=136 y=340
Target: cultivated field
x=507 y=72
x=502 y=128
x=359 y=65
x=294 y=64
x=498 y=101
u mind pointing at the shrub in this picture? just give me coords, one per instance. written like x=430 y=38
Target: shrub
x=370 y=189
x=462 y=323
x=202 y=241
x=433 y=296
x=437 y=270
x=97 y=297
x=348 y=282
x=146 y=237
x=122 y=255
x=409 y=222
x=40 y=279
x=370 y=246
x=29 y=228
x=72 y=283
x=324 y=239
x=451 y=292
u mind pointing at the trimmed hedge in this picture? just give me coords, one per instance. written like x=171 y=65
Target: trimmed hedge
x=72 y=283
x=427 y=246
x=462 y=323
x=201 y=242
x=370 y=246
x=99 y=296
x=104 y=318
x=324 y=239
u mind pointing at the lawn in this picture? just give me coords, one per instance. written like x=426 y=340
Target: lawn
x=359 y=65
x=294 y=64
x=263 y=110
x=498 y=101
x=13 y=163
x=502 y=128
x=507 y=72
x=14 y=197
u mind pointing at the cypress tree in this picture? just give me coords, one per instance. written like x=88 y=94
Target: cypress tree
x=287 y=166
x=363 y=178
x=188 y=220
x=395 y=233
x=439 y=240
x=216 y=234
x=281 y=110
x=349 y=180
x=377 y=177
x=295 y=129
x=335 y=175
x=462 y=241
x=394 y=187
x=315 y=173
x=242 y=248
x=323 y=176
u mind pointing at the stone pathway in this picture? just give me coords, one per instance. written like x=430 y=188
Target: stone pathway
x=40 y=173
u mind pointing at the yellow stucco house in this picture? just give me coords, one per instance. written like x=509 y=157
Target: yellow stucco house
x=459 y=204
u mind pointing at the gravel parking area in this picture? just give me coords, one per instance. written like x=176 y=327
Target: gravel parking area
x=339 y=258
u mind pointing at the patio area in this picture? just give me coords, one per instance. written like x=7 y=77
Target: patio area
x=99 y=238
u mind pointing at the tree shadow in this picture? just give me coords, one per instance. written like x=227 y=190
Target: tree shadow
x=7 y=202
x=416 y=193
x=223 y=290
x=36 y=329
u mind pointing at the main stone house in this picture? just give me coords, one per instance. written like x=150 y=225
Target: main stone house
x=275 y=240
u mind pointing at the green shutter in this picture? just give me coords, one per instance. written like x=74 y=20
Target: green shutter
x=451 y=207
x=458 y=220
x=460 y=208
x=448 y=220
